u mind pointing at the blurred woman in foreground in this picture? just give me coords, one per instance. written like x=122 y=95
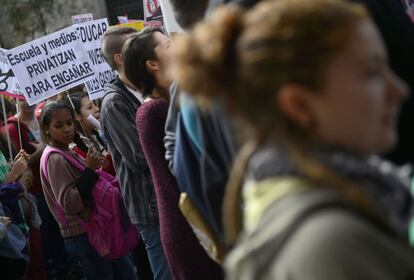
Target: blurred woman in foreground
x=311 y=85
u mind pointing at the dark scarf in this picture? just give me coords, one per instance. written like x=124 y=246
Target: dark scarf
x=386 y=185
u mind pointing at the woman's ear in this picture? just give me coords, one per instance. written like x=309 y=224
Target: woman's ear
x=294 y=102
x=152 y=66
x=77 y=117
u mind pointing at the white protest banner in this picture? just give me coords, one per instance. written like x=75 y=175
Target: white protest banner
x=91 y=33
x=51 y=64
x=170 y=23
x=82 y=18
x=8 y=82
x=8 y=86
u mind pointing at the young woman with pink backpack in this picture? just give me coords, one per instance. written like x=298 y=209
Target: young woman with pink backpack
x=85 y=201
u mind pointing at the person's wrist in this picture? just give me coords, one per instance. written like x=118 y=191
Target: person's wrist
x=11 y=177
x=89 y=166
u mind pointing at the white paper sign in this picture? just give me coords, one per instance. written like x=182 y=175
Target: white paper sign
x=91 y=33
x=82 y=18
x=122 y=19
x=170 y=23
x=51 y=64
x=8 y=82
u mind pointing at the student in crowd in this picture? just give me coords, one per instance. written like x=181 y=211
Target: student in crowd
x=118 y=110
x=204 y=172
x=397 y=29
x=310 y=82
x=49 y=255
x=87 y=134
x=29 y=125
x=19 y=215
x=13 y=246
x=146 y=59
x=30 y=142
x=67 y=189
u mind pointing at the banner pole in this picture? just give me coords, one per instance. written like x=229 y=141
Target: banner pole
x=3 y=105
x=74 y=110
x=18 y=123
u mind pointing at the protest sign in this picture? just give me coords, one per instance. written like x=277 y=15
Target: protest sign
x=82 y=18
x=8 y=82
x=170 y=23
x=90 y=34
x=51 y=64
x=8 y=86
x=152 y=12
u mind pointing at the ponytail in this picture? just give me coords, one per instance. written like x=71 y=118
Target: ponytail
x=205 y=63
x=79 y=143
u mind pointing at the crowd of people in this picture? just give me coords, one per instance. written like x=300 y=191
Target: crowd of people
x=251 y=147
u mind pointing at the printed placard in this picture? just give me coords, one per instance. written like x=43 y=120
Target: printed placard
x=82 y=18
x=91 y=33
x=9 y=84
x=152 y=12
x=51 y=64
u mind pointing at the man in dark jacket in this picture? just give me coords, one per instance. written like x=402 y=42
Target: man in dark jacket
x=118 y=111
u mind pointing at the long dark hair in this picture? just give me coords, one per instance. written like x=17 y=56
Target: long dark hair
x=76 y=100
x=137 y=51
x=4 y=148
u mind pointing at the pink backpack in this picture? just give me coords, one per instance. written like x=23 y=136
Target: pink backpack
x=109 y=229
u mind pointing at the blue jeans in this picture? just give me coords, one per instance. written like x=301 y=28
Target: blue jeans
x=151 y=236
x=95 y=266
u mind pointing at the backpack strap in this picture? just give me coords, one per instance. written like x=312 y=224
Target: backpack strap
x=49 y=150
x=43 y=163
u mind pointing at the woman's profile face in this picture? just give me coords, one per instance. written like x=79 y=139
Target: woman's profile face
x=357 y=108
x=88 y=108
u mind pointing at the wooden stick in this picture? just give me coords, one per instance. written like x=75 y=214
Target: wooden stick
x=3 y=105
x=18 y=123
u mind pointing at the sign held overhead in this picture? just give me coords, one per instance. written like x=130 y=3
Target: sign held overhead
x=91 y=33
x=51 y=64
x=9 y=84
